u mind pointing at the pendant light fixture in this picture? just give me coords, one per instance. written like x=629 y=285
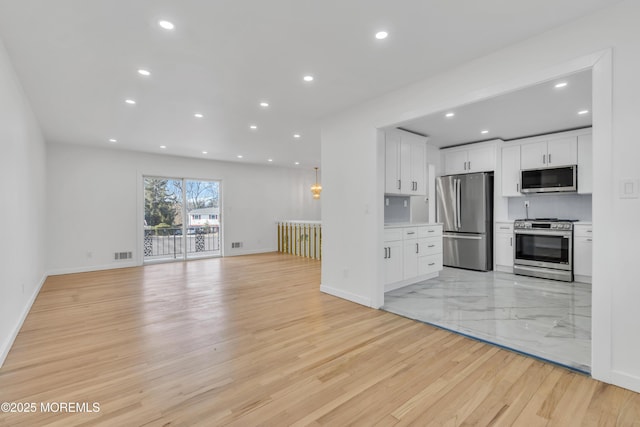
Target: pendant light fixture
x=316 y=188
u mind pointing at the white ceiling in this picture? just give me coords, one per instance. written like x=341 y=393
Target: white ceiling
x=530 y=111
x=77 y=61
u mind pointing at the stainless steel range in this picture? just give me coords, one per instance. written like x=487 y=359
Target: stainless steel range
x=544 y=248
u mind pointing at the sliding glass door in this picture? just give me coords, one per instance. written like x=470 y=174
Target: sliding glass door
x=203 y=218
x=181 y=219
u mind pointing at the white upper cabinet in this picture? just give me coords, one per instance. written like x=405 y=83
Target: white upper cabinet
x=585 y=164
x=511 y=171
x=392 y=163
x=405 y=164
x=455 y=161
x=469 y=159
x=562 y=152
x=551 y=153
x=482 y=159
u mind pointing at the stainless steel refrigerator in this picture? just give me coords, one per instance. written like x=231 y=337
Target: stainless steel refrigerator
x=465 y=208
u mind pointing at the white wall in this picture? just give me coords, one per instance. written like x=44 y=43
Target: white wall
x=96 y=203
x=351 y=158
x=22 y=206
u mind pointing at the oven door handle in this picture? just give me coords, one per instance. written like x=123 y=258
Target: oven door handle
x=542 y=232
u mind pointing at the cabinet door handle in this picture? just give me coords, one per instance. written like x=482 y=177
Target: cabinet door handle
x=411 y=232
x=398 y=184
x=469 y=164
x=589 y=231
x=432 y=263
x=431 y=246
x=518 y=187
x=511 y=241
x=549 y=158
x=430 y=231
x=589 y=240
x=417 y=250
x=544 y=159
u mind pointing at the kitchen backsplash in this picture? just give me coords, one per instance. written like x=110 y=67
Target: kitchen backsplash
x=565 y=206
x=397 y=209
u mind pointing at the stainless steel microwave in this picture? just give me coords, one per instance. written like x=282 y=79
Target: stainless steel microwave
x=549 y=180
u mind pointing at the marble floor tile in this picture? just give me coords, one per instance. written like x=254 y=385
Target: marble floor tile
x=544 y=318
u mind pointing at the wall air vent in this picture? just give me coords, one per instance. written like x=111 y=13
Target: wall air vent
x=123 y=255
x=236 y=245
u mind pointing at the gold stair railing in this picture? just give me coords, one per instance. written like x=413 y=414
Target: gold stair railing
x=301 y=238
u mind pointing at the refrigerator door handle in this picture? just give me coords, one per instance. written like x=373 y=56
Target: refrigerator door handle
x=461 y=236
x=459 y=203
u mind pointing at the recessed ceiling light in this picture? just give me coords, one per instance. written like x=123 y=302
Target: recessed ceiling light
x=450 y=114
x=308 y=78
x=269 y=160
x=239 y=156
x=264 y=104
x=163 y=147
x=254 y=127
x=296 y=135
x=198 y=115
x=381 y=35
x=144 y=72
x=484 y=131
x=130 y=101
x=166 y=25
x=297 y=163
x=205 y=152
x=561 y=85
x=583 y=112
x=113 y=141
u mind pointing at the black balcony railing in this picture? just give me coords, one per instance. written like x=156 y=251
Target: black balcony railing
x=170 y=242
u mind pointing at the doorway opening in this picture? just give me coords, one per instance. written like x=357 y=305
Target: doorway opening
x=181 y=219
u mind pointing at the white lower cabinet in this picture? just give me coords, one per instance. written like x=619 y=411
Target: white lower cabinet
x=392 y=255
x=411 y=254
x=504 y=246
x=582 y=252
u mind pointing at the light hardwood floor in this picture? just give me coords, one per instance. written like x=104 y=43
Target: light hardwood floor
x=252 y=341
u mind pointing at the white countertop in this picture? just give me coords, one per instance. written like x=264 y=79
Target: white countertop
x=409 y=224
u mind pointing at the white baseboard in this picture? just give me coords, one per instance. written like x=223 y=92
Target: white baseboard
x=623 y=379
x=358 y=299
x=403 y=283
x=504 y=269
x=59 y=271
x=6 y=346
x=582 y=279
x=236 y=252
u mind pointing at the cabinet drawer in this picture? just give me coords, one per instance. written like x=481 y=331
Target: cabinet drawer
x=429 y=264
x=392 y=234
x=581 y=230
x=410 y=233
x=431 y=246
x=504 y=227
x=426 y=231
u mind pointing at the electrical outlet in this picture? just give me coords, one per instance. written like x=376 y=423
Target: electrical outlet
x=526 y=203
